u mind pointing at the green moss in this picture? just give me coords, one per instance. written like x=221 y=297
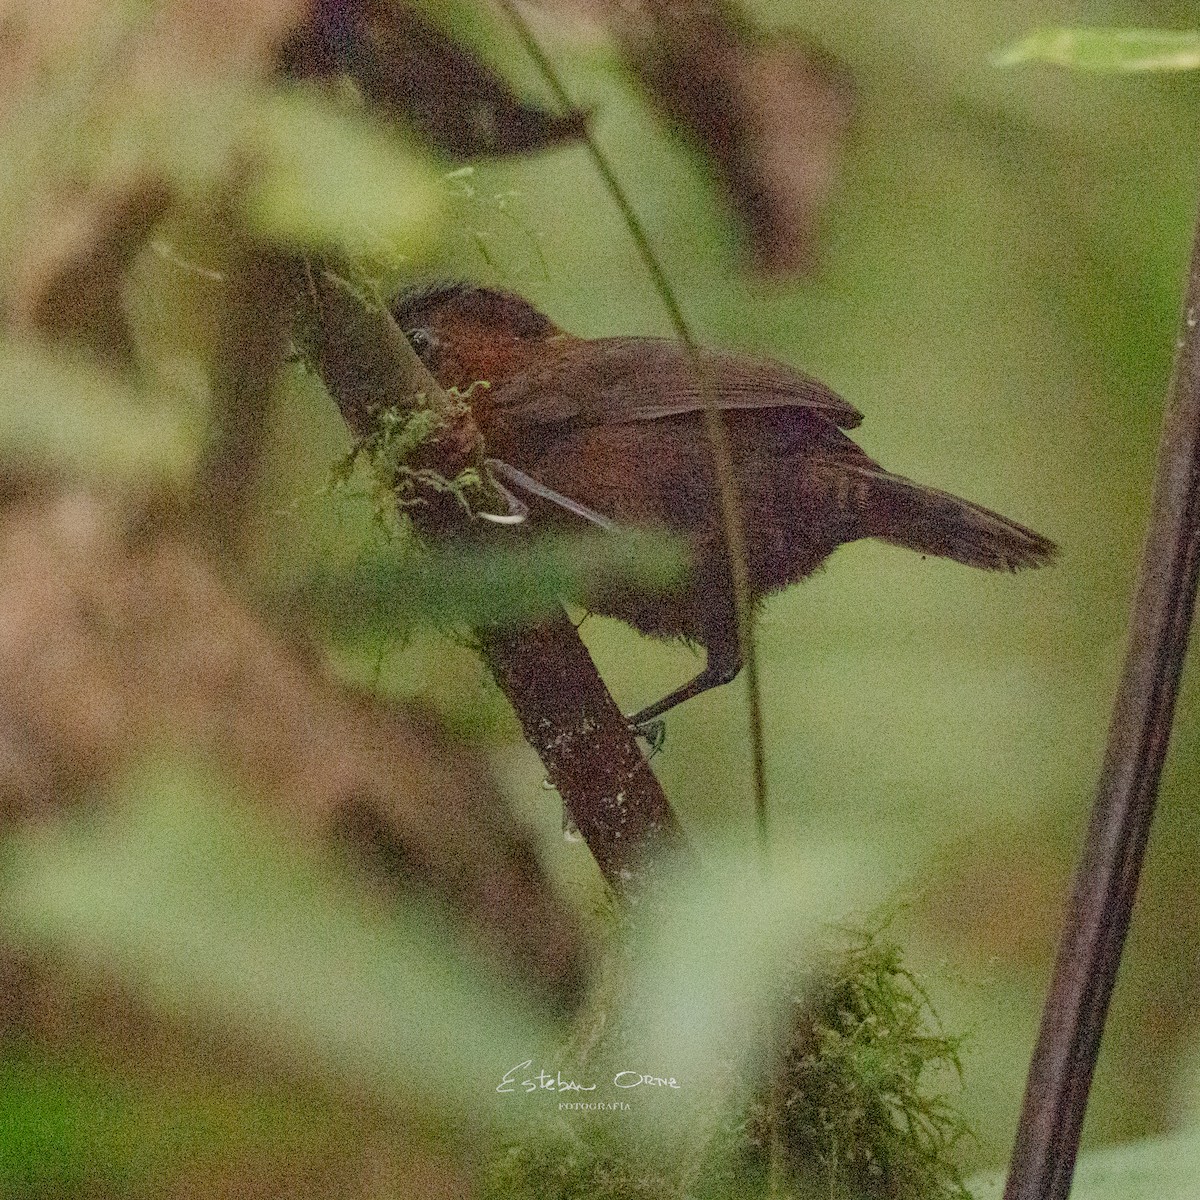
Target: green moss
x=855 y=1111
x=392 y=455
x=852 y=1110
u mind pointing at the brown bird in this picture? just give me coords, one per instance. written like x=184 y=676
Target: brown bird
x=612 y=430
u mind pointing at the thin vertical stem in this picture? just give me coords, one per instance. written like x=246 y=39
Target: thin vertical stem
x=1106 y=882
x=731 y=509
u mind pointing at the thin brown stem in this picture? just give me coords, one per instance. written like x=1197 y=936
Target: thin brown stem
x=1105 y=888
x=731 y=509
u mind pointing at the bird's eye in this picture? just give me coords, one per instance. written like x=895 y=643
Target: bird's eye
x=424 y=343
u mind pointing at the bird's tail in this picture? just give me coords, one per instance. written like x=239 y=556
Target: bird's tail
x=929 y=521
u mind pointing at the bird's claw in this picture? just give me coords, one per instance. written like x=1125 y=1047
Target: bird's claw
x=653 y=733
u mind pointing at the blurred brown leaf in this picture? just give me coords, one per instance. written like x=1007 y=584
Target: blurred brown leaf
x=118 y=638
x=68 y=242
x=412 y=70
x=770 y=113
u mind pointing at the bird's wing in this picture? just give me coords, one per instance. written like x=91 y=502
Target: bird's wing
x=647 y=379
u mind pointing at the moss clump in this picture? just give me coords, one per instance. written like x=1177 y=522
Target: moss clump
x=851 y=1110
x=395 y=454
x=590 y=1166
x=601 y=1160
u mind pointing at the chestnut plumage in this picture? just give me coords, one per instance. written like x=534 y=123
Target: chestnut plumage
x=616 y=427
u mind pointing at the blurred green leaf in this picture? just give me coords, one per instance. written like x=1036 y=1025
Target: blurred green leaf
x=329 y=178
x=188 y=132
x=212 y=914
x=310 y=173
x=713 y=969
x=1108 y=49
x=70 y=1124
x=474 y=585
x=481 y=29
x=62 y=411
x=1162 y=1168
x=307 y=169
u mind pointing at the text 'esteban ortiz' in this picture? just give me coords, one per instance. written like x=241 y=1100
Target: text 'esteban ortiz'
x=542 y=1081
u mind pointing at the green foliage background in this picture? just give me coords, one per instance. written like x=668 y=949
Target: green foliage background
x=998 y=292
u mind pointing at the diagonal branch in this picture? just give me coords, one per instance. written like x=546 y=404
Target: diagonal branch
x=586 y=746
x=1105 y=887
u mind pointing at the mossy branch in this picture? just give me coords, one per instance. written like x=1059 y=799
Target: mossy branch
x=568 y=717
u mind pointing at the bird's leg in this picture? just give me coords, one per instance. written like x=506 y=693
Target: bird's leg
x=722 y=666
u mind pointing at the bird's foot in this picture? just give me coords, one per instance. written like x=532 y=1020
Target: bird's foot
x=653 y=733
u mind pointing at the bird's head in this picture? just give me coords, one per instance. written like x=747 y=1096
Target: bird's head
x=464 y=334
